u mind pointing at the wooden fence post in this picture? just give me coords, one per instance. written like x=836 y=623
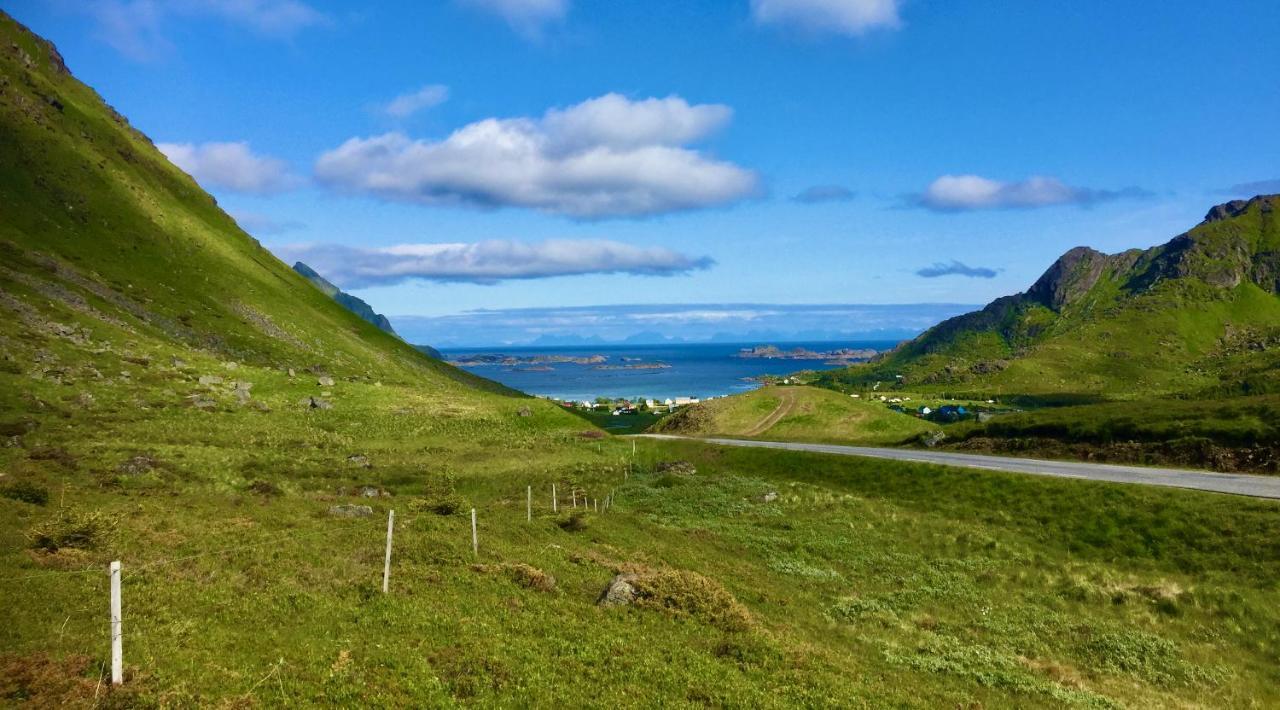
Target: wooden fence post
x=475 y=540
x=117 y=632
x=386 y=563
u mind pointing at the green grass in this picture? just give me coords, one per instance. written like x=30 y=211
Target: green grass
x=811 y=414
x=865 y=582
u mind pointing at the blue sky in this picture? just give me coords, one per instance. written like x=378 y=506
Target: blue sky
x=442 y=157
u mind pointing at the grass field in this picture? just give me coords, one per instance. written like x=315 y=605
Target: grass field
x=797 y=414
x=782 y=579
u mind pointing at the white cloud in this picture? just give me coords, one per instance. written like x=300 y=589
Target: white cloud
x=951 y=193
x=606 y=157
x=527 y=17
x=231 y=166
x=135 y=27
x=406 y=105
x=488 y=262
x=848 y=17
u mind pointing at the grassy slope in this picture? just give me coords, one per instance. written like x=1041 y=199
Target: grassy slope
x=869 y=584
x=812 y=414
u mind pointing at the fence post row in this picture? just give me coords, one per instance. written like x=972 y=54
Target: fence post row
x=386 y=564
x=117 y=632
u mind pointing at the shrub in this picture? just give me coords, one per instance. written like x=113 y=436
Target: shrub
x=26 y=492
x=265 y=488
x=574 y=522
x=445 y=504
x=530 y=577
x=684 y=593
x=72 y=528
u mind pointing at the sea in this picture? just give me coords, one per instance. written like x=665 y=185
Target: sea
x=699 y=370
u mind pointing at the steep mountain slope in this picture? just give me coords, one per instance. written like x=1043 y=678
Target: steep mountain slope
x=1199 y=314
x=108 y=246
x=346 y=300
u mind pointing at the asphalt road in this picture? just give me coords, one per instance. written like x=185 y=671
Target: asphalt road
x=1235 y=483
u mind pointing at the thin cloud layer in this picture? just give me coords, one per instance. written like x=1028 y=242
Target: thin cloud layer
x=231 y=166
x=528 y=17
x=955 y=268
x=405 y=105
x=135 y=28
x=696 y=322
x=824 y=193
x=954 y=193
x=605 y=157
x=1260 y=187
x=488 y=262
x=848 y=17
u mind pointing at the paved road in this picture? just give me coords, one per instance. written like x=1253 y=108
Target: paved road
x=1236 y=483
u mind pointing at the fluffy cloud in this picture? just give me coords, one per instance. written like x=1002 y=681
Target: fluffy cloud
x=848 y=17
x=824 y=193
x=605 y=157
x=406 y=105
x=527 y=17
x=952 y=193
x=956 y=268
x=488 y=262
x=231 y=166
x=135 y=27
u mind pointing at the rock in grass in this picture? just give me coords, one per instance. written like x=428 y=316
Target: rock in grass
x=210 y=380
x=347 y=510
x=359 y=460
x=933 y=438
x=314 y=403
x=324 y=381
x=769 y=497
x=524 y=412
x=620 y=592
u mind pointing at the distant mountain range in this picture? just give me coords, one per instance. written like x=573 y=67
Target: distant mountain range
x=1197 y=315
x=351 y=303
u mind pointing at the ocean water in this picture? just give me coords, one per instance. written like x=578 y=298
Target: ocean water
x=697 y=370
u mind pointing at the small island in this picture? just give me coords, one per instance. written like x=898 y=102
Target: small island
x=479 y=360
x=841 y=356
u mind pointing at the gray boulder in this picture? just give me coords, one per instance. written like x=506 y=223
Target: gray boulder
x=620 y=592
x=347 y=510
x=325 y=381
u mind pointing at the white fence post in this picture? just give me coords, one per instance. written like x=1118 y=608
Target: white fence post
x=475 y=540
x=528 y=516
x=554 y=506
x=117 y=633
x=386 y=564
x=574 y=492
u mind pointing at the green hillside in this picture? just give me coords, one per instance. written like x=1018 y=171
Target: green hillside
x=1199 y=315
x=101 y=232
x=796 y=414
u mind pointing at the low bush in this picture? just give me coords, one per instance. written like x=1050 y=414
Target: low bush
x=445 y=504
x=685 y=593
x=72 y=528
x=26 y=492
